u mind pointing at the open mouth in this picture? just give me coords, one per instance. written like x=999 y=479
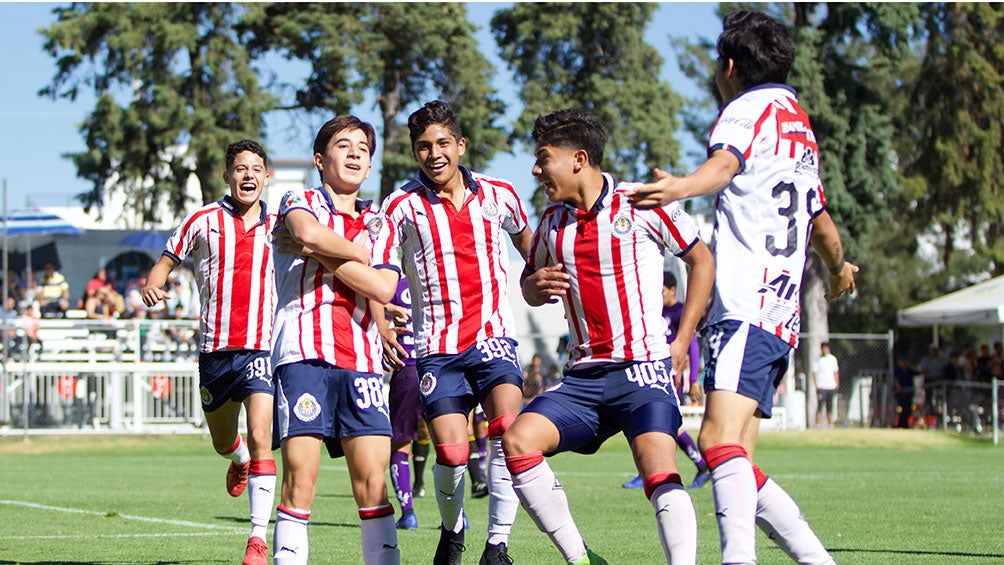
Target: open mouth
x=248 y=187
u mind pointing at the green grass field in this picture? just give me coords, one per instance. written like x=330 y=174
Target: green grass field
x=882 y=496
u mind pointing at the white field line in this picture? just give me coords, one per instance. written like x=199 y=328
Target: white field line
x=114 y=536
x=184 y=523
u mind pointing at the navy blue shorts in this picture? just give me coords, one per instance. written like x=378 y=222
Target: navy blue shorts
x=405 y=404
x=316 y=398
x=594 y=403
x=233 y=374
x=747 y=360
x=454 y=384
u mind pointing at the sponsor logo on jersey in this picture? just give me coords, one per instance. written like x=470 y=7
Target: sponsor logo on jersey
x=307 y=409
x=427 y=384
x=808 y=165
x=207 y=398
x=622 y=225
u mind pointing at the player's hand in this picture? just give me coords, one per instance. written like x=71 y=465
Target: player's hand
x=842 y=282
x=283 y=242
x=679 y=354
x=152 y=295
x=655 y=194
x=393 y=352
x=696 y=394
x=399 y=314
x=546 y=285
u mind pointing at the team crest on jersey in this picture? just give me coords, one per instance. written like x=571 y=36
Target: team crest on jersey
x=307 y=409
x=622 y=225
x=807 y=165
x=374 y=226
x=427 y=384
x=490 y=210
x=207 y=398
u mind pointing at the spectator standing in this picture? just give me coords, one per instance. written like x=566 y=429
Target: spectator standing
x=826 y=379
x=903 y=388
x=533 y=378
x=931 y=368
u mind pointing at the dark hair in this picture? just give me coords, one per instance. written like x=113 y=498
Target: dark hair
x=825 y=344
x=668 y=280
x=572 y=129
x=760 y=47
x=436 y=112
x=339 y=123
x=238 y=147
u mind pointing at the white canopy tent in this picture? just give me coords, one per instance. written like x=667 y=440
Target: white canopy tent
x=979 y=305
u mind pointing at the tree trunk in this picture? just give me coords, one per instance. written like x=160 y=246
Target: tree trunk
x=816 y=323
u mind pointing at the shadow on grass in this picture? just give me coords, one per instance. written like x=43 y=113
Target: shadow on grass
x=115 y=562
x=918 y=552
x=313 y=524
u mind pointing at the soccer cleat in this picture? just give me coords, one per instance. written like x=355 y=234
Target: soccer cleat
x=408 y=521
x=700 y=479
x=495 y=555
x=479 y=490
x=237 y=478
x=451 y=545
x=467 y=525
x=636 y=482
x=418 y=491
x=590 y=559
x=256 y=553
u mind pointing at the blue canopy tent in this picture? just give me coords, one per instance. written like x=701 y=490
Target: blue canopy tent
x=29 y=228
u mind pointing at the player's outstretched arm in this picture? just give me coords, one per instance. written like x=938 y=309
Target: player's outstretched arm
x=319 y=240
x=154 y=291
x=825 y=239
x=710 y=177
x=545 y=285
x=522 y=241
x=375 y=284
x=699 y=284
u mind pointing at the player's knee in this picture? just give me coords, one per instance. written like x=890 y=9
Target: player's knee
x=516 y=441
x=453 y=454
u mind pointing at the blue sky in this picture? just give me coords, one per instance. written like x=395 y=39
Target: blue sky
x=36 y=131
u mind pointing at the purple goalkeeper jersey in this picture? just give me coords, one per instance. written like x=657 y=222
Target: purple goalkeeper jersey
x=402 y=298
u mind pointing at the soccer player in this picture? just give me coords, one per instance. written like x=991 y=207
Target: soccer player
x=763 y=167
x=327 y=352
x=604 y=258
x=672 y=312
x=229 y=240
x=403 y=398
x=450 y=224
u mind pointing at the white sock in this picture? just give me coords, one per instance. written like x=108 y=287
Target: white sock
x=290 y=538
x=379 y=538
x=449 y=482
x=241 y=455
x=782 y=520
x=544 y=500
x=503 y=504
x=261 y=489
x=677 y=521
x=734 y=490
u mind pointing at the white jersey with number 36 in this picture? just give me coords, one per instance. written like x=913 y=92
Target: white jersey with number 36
x=762 y=217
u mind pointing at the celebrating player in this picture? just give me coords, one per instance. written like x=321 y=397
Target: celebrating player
x=604 y=258
x=450 y=222
x=763 y=166
x=234 y=272
x=327 y=351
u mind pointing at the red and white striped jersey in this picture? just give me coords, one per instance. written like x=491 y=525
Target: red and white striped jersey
x=456 y=261
x=614 y=257
x=319 y=316
x=763 y=216
x=234 y=273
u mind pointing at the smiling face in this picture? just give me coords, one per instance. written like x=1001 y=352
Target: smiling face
x=346 y=161
x=555 y=169
x=247 y=177
x=438 y=154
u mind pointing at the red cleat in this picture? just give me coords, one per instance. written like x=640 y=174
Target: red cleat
x=257 y=552
x=237 y=478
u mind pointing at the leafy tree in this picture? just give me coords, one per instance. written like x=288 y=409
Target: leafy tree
x=403 y=54
x=593 y=56
x=174 y=86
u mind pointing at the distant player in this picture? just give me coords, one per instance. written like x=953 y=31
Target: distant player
x=672 y=312
x=763 y=167
x=604 y=259
x=229 y=240
x=451 y=224
x=327 y=351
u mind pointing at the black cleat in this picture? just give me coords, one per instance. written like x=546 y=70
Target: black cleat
x=451 y=545
x=495 y=555
x=479 y=490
